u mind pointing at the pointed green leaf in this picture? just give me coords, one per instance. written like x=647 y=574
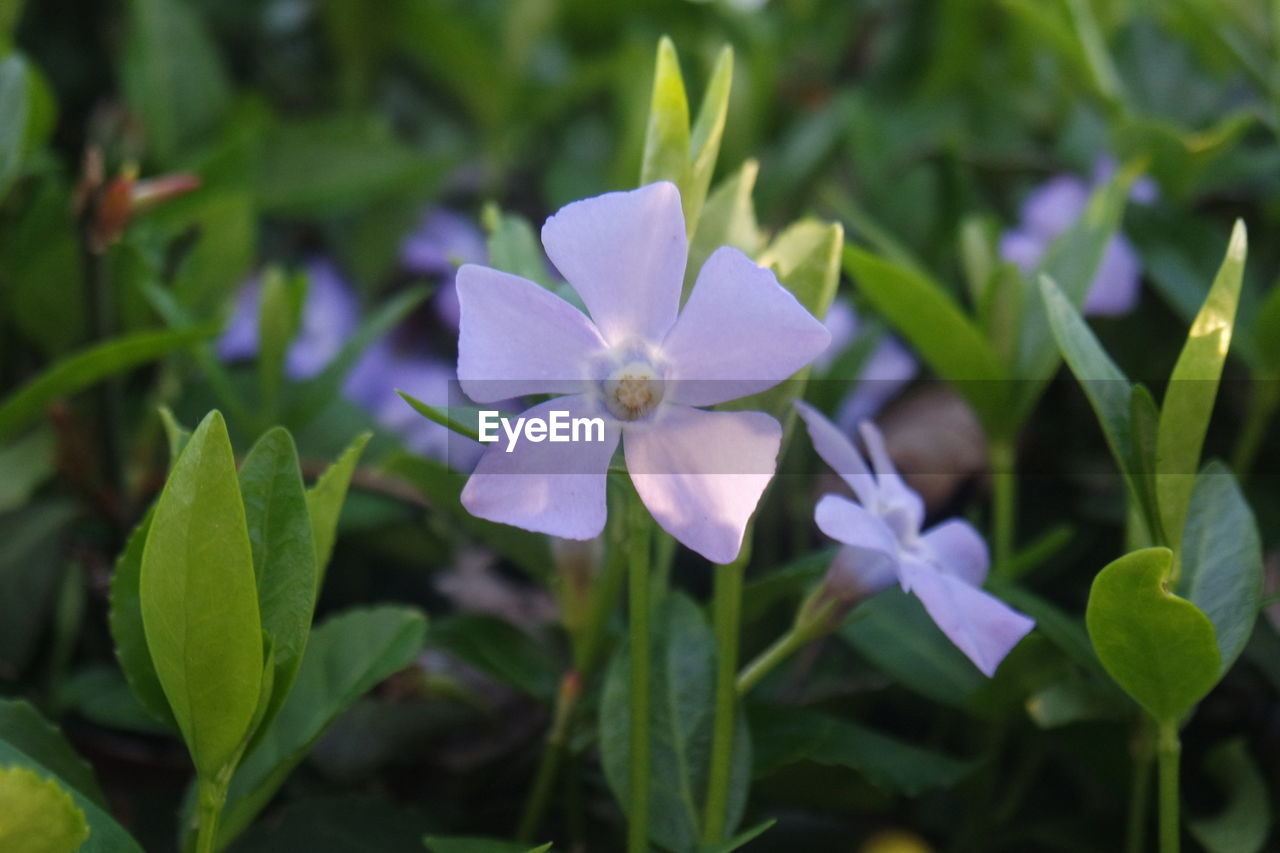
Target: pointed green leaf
x=1144 y=424
x=1158 y=647
x=513 y=246
x=346 y=657
x=728 y=219
x=704 y=143
x=666 y=141
x=325 y=500
x=86 y=367
x=938 y=329
x=464 y=420
x=176 y=433
x=1193 y=388
x=37 y=815
x=1222 y=560
x=284 y=552
x=741 y=839
x=200 y=603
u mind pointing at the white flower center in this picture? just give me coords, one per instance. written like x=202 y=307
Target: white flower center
x=633 y=390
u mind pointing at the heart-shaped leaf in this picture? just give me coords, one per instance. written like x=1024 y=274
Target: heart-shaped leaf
x=1158 y=647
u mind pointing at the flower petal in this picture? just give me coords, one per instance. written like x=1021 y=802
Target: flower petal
x=981 y=625
x=555 y=488
x=838 y=451
x=959 y=549
x=624 y=253
x=1115 y=287
x=852 y=525
x=740 y=333
x=855 y=573
x=701 y=474
x=518 y=338
x=898 y=503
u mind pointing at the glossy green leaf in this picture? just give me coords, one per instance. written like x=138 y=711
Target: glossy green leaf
x=704 y=141
x=37 y=815
x=125 y=619
x=22 y=727
x=682 y=708
x=14 y=107
x=347 y=656
x=666 y=141
x=284 y=552
x=470 y=844
x=171 y=75
x=1193 y=389
x=938 y=329
x=1158 y=647
x=786 y=735
x=1244 y=823
x=728 y=218
x=1222 y=560
x=199 y=600
x=893 y=631
x=325 y=500
x=86 y=367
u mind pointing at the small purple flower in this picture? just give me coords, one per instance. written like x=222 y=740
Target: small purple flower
x=639 y=367
x=887 y=370
x=881 y=540
x=329 y=316
x=1052 y=208
x=442 y=242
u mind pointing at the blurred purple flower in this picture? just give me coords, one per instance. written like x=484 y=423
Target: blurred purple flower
x=637 y=366
x=1053 y=207
x=329 y=316
x=885 y=371
x=442 y=242
x=881 y=536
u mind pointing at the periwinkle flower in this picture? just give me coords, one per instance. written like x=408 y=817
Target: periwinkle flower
x=882 y=541
x=442 y=242
x=885 y=371
x=639 y=367
x=329 y=316
x=1053 y=207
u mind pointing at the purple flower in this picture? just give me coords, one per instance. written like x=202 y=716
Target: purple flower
x=885 y=372
x=441 y=243
x=881 y=536
x=637 y=366
x=1050 y=210
x=329 y=316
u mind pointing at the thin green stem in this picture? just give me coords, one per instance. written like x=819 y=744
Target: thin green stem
x=638 y=572
x=212 y=795
x=553 y=754
x=1139 y=789
x=1169 y=752
x=727 y=614
x=768 y=660
x=1005 y=486
x=1263 y=404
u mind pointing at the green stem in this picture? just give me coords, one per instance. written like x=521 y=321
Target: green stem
x=212 y=795
x=727 y=613
x=1169 y=752
x=1005 y=486
x=1139 y=794
x=768 y=660
x=638 y=572
x=1263 y=403
x=553 y=754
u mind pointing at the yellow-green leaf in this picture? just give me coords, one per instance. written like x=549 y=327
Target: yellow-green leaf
x=37 y=815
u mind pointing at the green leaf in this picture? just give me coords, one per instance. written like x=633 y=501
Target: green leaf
x=125 y=619
x=335 y=164
x=666 y=139
x=37 y=815
x=513 y=246
x=784 y=736
x=473 y=844
x=1222 y=560
x=500 y=649
x=337 y=824
x=893 y=631
x=33 y=537
x=172 y=76
x=1158 y=647
x=704 y=142
x=86 y=367
x=1193 y=388
x=199 y=602
x=284 y=553
x=1266 y=332
x=176 y=434
x=939 y=330
x=741 y=839
x=728 y=219
x=14 y=108
x=346 y=657
x=26 y=463
x=1244 y=824
x=464 y=420
x=683 y=669
x=325 y=500
x=22 y=727
x=279 y=314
